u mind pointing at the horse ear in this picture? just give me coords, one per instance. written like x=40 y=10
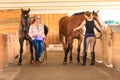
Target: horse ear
x=21 y=9
x=93 y=12
x=29 y=10
x=97 y=11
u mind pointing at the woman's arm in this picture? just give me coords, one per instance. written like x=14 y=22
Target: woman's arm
x=41 y=31
x=31 y=32
x=79 y=27
x=98 y=27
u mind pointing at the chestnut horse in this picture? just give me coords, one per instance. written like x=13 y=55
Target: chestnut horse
x=66 y=26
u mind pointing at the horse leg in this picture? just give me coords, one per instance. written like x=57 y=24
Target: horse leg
x=78 y=50
x=71 y=47
x=63 y=41
x=31 y=51
x=66 y=53
x=21 y=50
x=66 y=50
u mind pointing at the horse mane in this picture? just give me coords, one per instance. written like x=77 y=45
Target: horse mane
x=79 y=13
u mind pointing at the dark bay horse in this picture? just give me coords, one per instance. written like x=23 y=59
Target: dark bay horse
x=23 y=33
x=66 y=26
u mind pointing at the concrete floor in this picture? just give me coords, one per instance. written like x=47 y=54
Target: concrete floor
x=53 y=69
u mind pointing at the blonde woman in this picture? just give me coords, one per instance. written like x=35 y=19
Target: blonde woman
x=89 y=38
x=36 y=32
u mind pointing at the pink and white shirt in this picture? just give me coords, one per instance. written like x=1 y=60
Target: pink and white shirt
x=37 y=30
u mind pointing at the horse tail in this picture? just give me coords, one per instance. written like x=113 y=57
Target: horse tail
x=60 y=35
x=63 y=24
x=45 y=30
x=60 y=25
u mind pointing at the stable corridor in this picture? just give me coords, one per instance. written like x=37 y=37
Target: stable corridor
x=53 y=69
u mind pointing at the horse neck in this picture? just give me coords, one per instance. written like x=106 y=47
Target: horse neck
x=98 y=21
x=74 y=22
x=22 y=23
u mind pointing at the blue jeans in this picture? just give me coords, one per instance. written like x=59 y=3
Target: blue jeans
x=39 y=47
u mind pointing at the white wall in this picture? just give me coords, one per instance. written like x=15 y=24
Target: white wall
x=66 y=5
x=110 y=14
x=108 y=9
x=49 y=0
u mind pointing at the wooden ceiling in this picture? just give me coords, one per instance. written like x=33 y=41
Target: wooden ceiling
x=52 y=0
x=59 y=6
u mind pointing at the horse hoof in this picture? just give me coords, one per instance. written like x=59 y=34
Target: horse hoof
x=71 y=62
x=64 y=62
x=31 y=62
x=19 y=64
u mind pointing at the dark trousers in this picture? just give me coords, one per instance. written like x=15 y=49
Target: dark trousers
x=85 y=52
x=85 y=40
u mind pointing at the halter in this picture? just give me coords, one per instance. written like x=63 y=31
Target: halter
x=25 y=23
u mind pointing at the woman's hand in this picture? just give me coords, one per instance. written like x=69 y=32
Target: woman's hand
x=35 y=36
x=103 y=32
x=74 y=29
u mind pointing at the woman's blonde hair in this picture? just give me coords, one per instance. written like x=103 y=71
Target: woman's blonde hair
x=89 y=14
x=34 y=18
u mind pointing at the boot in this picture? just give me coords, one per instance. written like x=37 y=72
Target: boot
x=84 y=58
x=34 y=62
x=92 y=58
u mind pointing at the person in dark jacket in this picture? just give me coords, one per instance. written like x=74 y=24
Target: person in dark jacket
x=89 y=38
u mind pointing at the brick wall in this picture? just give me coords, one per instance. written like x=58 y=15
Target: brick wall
x=12 y=46
x=116 y=49
x=3 y=48
x=98 y=49
x=9 y=48
x=108 y=49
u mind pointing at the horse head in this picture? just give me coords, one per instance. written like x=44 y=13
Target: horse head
x=96 y=17
x=25 y=19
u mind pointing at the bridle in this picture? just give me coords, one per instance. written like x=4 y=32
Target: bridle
x=25 y=23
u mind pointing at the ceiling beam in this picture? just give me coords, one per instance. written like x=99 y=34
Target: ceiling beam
x=60 y=6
